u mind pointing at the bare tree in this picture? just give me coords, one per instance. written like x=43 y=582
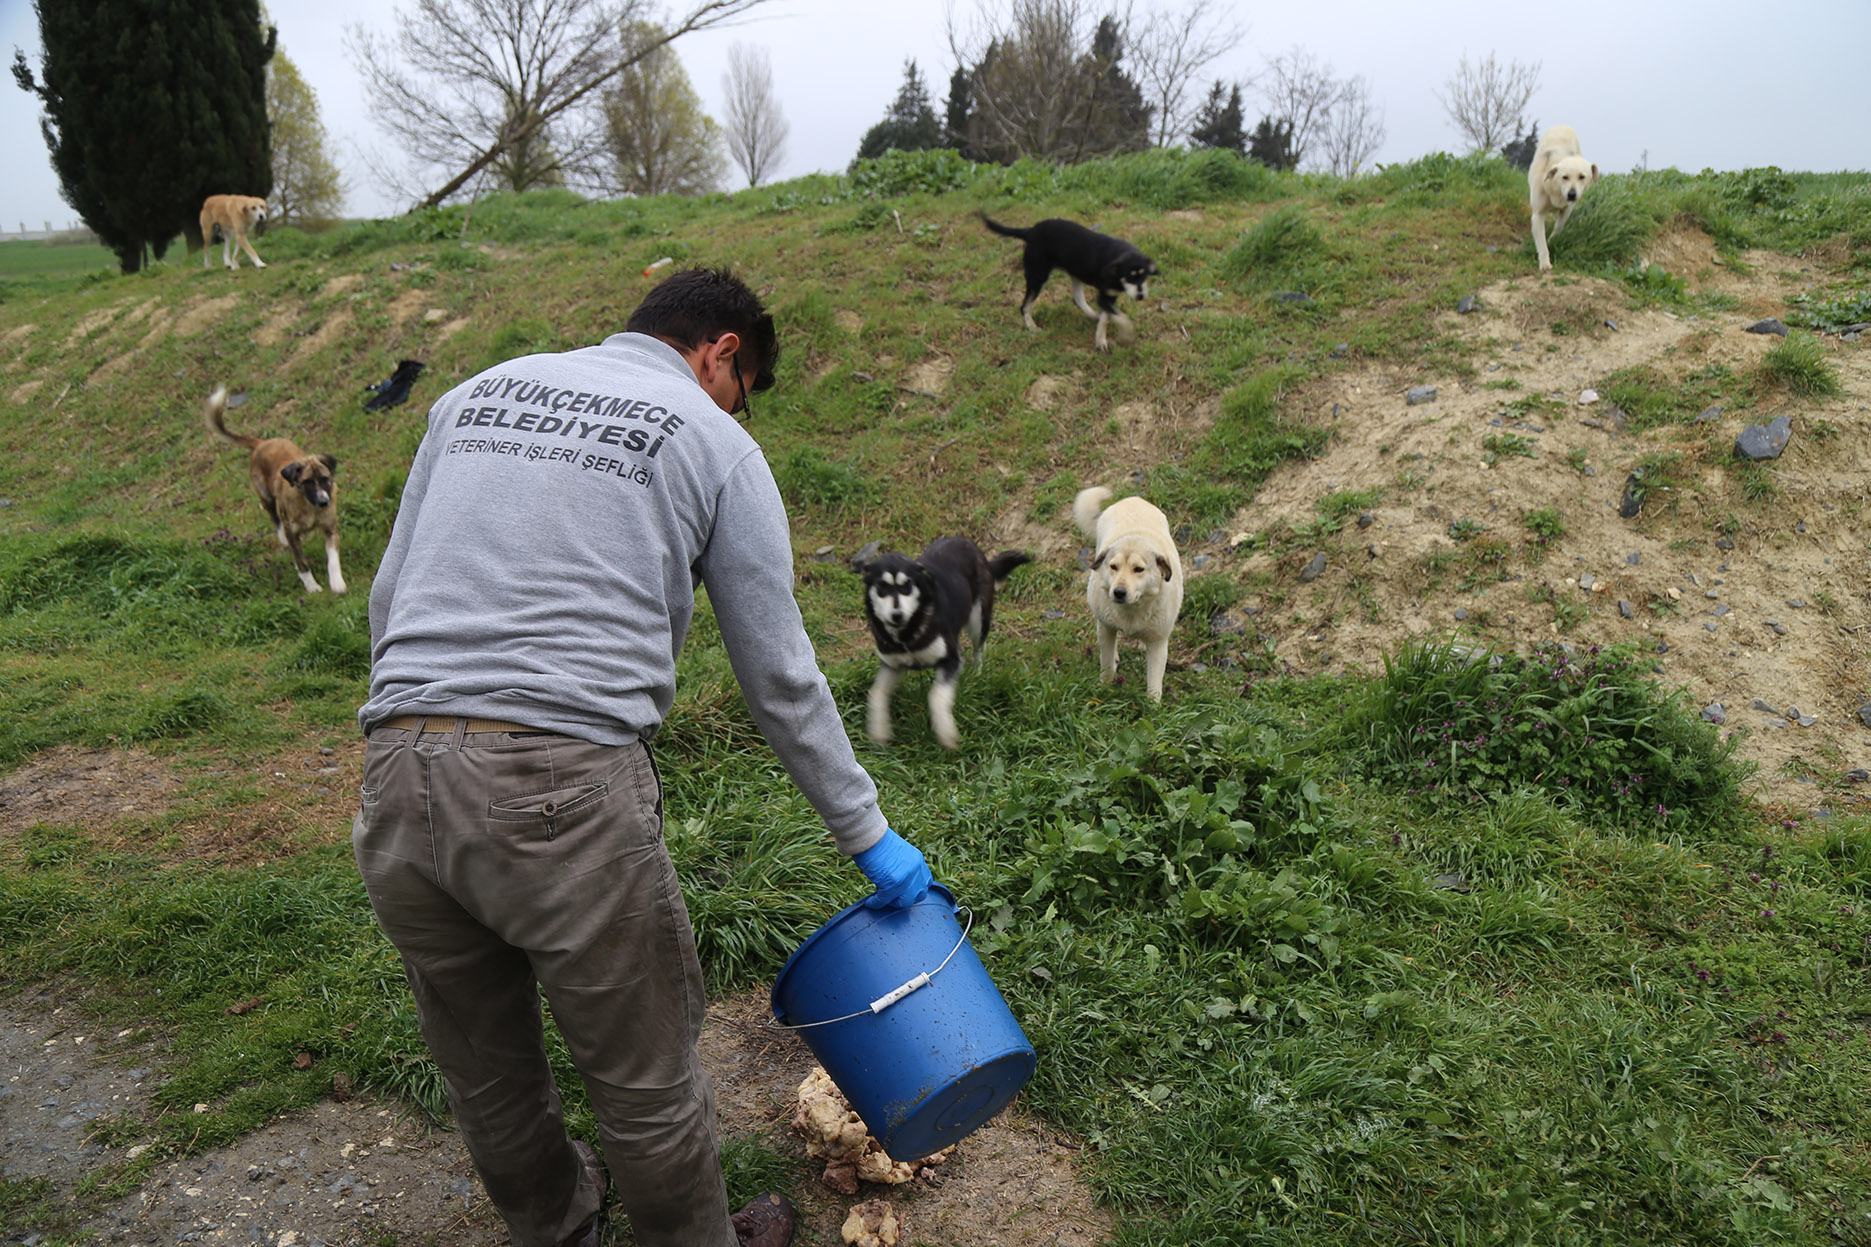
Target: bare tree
x=1487 y=101
x=1354 y=130
x=1170 y=49
x=1298 y=89
x=756 y=129
x=465 y=82
x=1044 y=79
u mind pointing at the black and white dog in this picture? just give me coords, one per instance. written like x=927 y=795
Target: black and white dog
x=1094 y=261
x=918 y=610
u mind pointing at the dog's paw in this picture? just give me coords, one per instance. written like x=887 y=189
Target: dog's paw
x=259 y=263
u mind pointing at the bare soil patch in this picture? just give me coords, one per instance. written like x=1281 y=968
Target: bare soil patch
x=360 y=1171
x=1737 y=601
x=201 y=315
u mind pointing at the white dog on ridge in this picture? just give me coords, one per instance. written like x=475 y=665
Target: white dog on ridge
x=1556 y=180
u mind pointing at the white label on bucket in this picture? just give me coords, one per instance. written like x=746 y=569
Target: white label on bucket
x=885 y=1001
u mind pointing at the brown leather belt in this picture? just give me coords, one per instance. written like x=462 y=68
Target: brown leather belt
x=442 y=724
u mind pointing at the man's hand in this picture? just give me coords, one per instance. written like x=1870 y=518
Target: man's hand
x=897 y=869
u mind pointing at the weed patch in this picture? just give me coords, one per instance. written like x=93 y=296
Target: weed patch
x=1799 y=364
x=1589 y=728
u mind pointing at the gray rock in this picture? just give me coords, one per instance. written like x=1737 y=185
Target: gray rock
x=1770 y=325
x=1710 y=594
x=1224 y=624
x=1340 y=351
x=1200 y=561
x=1633 y=559
x=1420 y=394
x=1709 y=414
x=1857 y=775
x=1461 y=614
x=1610 y=324
x=1366 y=519
x=1292 y=296
x=1722 y=610
x=1722 y=543
x=1626 y=609
x=1313 y=569
x=1760 y=704
x=1775 y=625
x=1055 y=614
x=1469 y=303
x=1631 y=503
x=1796 y=603
x=1712 y=627
x=1793 y=712
x=1715 y=713
x=1764 y=441
x=1864 y=714
x=1807 y=720
x=870 y=551
x=1586 y=581
x=1774 y=723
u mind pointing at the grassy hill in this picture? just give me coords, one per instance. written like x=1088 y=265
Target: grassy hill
x=1434 y=949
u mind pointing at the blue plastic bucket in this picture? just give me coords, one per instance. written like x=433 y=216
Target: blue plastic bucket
x=932 y=1065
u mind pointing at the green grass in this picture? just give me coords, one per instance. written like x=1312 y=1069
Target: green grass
x=1278 y=996
x=24 y=261
x=1799 y=364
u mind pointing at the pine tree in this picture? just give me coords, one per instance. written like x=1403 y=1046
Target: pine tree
x=909 y=126
x=150 y=107
x=1118 y=120
x=960 y=113
x=305 y=181
x=1272 y=145
x=1219 y=122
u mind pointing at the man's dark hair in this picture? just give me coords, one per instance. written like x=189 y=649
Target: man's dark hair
x=698 y=305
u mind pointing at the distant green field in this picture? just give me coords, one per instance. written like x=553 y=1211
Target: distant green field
x=36 y=259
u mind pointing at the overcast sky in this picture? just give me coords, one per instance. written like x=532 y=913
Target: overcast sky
x=1723 y=84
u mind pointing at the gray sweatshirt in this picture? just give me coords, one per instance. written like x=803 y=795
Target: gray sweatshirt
x=558 y=517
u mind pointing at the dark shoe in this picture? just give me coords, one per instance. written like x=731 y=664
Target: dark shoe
x=765 y=1222
x=594 y=1169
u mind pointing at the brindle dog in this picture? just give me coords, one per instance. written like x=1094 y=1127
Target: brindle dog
x=294 y=487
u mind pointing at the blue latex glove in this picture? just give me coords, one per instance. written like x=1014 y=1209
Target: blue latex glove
x=897 y=869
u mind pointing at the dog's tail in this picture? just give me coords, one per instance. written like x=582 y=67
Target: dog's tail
x=1006 y=230
x=211 y=412
x=1005 y=562
x=1087 y=506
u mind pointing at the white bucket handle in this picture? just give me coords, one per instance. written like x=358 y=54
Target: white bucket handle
x=895 y=994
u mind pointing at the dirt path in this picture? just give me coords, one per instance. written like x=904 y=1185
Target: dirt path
x=363 y=1173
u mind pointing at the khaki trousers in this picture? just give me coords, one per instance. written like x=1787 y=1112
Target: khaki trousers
x=502 y=864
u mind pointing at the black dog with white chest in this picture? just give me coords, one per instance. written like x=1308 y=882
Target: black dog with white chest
x=1093 y=261
x=918 y=610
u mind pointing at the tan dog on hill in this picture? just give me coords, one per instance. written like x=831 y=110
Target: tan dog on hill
x=1556 y=180
x=233 y=215
x=294 y=487
x=1135 y=588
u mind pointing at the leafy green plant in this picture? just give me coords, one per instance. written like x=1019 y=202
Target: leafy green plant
x=1799 y=363
x=1546 y=524
x=1833 y=313
x=1499 y=446
x=934 y=171
x=1465 y=529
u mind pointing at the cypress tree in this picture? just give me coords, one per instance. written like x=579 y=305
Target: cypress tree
x=150 y=107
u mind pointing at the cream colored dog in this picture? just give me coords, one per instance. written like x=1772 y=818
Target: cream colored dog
x=234 y=215
x=1557 y=179
x=1135 y=588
